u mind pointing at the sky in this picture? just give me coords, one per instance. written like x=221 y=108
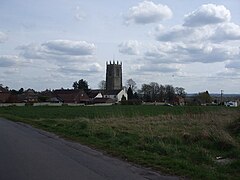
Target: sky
x=49 y=44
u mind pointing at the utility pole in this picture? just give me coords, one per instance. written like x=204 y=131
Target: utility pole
x=221 y=97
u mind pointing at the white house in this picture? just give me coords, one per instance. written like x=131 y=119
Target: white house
x=231 y=104
x=117 y=95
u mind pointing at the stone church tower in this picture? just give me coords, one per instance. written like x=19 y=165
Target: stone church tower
x=113 y=76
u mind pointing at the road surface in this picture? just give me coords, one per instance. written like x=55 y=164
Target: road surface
x=27 y=153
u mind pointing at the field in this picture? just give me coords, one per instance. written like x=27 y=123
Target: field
x=193 y=142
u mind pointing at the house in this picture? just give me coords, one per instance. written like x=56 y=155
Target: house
x=4 y=97
x=49 y=96
x=7 y=96
x=116 y=95
x=178 y=100
x=231 y=104
x=2 y=89
x=72 y=96
x=29 y=96
x=93 y=94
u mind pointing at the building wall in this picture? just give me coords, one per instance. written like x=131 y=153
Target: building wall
x=118 y=97
x=113 y=76
x=121 y=94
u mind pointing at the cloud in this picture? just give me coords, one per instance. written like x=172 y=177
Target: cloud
x=83 y=69
x=67 y=57
x=3 y=37
x=226 y=31
x=58 y=49
x=130 y=47
x=207 y=14
x=233 y=65
x=147 y=12
x=9 y=61
x=201 y=42
x=219 y=33
x=188 y=53
x=67 y=47
x=184 y=34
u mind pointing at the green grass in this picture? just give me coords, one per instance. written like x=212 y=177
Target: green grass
x=93 y=112
x=184 y=141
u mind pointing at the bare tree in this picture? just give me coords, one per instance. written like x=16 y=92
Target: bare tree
x=132 y=84
x=102 y=85
x=170 y=92
x=154 y=91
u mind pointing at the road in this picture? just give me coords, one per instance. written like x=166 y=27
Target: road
x=27 y=153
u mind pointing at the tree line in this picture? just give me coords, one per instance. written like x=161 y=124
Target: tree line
x=157 y=92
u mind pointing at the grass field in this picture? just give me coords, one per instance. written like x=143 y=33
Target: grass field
x=185 y=141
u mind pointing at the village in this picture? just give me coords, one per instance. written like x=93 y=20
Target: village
x=113 y=92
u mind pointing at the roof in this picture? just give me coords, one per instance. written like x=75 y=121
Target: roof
x=71 y=95
x=94 y=93
x=4 y=96
x=2 y=89
x=113 y=92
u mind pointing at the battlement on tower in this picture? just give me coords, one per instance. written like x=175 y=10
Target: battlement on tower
x=113 y=62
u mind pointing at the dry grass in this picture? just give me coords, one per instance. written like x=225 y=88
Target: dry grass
x=188 y=126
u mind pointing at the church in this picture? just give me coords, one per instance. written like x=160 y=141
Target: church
x=114 y=88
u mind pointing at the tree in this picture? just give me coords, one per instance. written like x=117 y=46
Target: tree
x=154 y=90
x=146 y=90
x=162 y=92
x=180 y=91
x=75 y=85
x=81 y=84
x=170 y=92
x=204 y=97
x=20 y=91
x=102 y=85
x=135 y=95
x=131 y=83
x=130 y=93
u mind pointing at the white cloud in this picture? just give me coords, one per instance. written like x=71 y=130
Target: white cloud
x=183 y=33
x=67 y=47
x=59 y=49
x=9 y=60
x=3 y=37
x=218 y=33
x=187 y=53
x=226 y=31
x=83 y=69
x=148 y=12
x=130 y=47
x=73 y=57
x=208 y=14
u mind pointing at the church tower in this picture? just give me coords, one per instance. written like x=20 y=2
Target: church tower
x=113 y=76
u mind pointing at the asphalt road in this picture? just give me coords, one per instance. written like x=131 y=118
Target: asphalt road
x=27 y=153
